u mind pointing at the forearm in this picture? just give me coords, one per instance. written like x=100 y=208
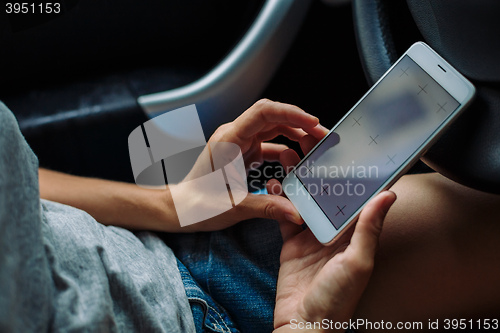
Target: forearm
x=110 y=202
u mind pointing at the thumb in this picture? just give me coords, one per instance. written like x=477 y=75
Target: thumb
x=364 y=241
x=271 y=207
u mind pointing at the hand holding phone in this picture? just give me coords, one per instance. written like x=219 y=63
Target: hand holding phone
x=377 y=141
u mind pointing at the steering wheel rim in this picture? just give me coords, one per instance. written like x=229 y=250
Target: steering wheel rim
x=469 y=152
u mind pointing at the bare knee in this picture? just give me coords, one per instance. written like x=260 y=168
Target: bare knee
x=439 y=254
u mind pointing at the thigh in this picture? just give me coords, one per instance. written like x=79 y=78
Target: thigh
x=439 y=254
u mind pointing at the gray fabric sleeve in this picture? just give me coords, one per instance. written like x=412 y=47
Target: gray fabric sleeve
x=61 y=270
x=109 y=279
x=25 y=279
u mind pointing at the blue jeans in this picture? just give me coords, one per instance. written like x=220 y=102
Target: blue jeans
x=230 y=275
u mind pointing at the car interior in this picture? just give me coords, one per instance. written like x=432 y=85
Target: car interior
x=80 y=81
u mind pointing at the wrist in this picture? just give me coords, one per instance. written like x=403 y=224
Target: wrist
x=163 y=211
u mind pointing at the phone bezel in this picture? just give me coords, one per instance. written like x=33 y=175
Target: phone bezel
x=443 y=73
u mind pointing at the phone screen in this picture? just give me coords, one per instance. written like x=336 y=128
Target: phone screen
x=376 y=138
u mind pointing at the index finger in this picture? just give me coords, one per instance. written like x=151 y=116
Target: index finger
x=266 y=112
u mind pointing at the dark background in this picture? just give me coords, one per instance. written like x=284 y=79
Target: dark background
x=73 y=79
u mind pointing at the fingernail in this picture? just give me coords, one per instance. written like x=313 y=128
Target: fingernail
x=322 y=128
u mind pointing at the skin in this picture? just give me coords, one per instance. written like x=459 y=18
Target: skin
x=439 y=255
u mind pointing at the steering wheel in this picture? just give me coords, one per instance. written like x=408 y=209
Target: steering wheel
x=466 y=33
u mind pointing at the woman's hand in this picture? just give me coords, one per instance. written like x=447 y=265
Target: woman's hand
x=264 y=121
x=319 y=282
x=129 y=206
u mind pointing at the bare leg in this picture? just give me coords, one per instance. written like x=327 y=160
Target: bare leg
x=439 y=255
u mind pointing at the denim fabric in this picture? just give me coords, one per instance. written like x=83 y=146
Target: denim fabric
x=234 y=269
x=208 y=315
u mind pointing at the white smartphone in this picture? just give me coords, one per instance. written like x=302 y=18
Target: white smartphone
x=377 y=141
